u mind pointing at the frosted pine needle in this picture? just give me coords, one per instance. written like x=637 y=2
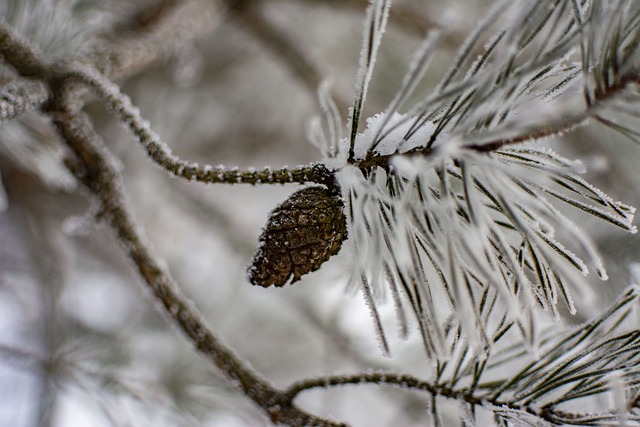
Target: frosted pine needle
x=447 y=209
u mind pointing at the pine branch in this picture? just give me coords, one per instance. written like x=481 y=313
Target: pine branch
x=161 y=154
x=277 y=42
x=128 y=56
x=519 y=135
x=408 y=382
x=462 y=211
x=96 y=169
x=575 y=364
x=402 y=175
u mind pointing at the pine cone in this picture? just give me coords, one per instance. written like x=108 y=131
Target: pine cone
x=301 y=234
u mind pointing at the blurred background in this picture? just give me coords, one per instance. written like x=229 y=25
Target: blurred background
x=80 y=340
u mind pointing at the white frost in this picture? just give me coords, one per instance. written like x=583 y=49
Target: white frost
x=395 y=136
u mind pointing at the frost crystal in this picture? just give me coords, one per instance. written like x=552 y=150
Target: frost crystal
x=398 y=137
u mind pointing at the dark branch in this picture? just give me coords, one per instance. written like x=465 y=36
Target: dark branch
x=547 y=413
x=20 y=55
x=95 y=167
x=161 y=154
x=487 y=144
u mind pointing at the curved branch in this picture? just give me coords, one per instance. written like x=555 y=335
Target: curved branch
x=96 y=168
x=547 y=413
x=385 y=378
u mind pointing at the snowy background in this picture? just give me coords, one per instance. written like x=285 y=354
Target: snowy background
x=80 y=341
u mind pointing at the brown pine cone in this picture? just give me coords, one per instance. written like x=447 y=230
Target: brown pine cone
x=301 y=234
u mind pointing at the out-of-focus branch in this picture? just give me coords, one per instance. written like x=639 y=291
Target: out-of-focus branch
x=96 y=169
x=162 y=155
x=177 y=24
x=281 y=45
x=277 y=41
x=13 y=51
x=21 y=96
x=405 y=17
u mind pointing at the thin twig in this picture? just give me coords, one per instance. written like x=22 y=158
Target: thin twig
x=97 y=169
x=278 y=42
x=403 y=381
x=161 y=154
x=532 y=133
x=409 y=382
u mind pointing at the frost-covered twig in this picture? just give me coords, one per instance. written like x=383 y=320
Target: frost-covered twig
x=462 y=396
x=575 y=363
x=94 y=166
x=487 y=143
x=278 y=42
x=161 y=154
x=384 y=378
x=178 y=24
